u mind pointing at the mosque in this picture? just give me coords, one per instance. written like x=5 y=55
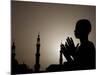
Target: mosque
x=17 y=68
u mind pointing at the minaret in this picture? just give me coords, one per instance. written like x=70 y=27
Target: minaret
x=37 y=60
x=13 y=61
x=61 y=57
x=13 y=50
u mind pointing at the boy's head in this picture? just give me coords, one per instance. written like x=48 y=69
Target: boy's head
x=83 y=28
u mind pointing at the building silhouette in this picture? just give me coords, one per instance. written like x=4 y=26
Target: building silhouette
x=61 y=57
x=13 y=60
x=17 y=68
x=37 y=59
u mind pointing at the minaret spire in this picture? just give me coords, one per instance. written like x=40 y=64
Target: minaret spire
x=61 y=57
x=37 y=63
x=13 y=49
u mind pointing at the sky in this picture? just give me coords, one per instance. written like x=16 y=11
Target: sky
x=54 y=22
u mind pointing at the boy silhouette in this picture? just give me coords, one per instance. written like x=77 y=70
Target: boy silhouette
x=83 y=55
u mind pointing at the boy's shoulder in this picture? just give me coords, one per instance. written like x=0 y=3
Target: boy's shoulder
x=90 y=44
